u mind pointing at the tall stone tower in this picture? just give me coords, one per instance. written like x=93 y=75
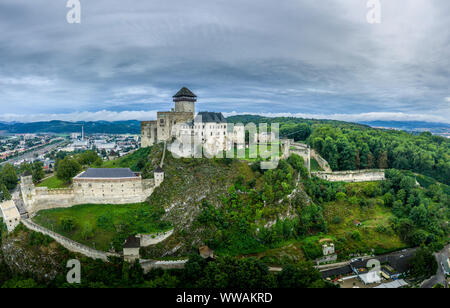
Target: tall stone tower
x=185 y=101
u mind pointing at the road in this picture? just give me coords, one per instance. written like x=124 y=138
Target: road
x=439 y=277
x=324 y=267
x=32 y=154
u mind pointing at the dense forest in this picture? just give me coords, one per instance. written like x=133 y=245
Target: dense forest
x=348 y=146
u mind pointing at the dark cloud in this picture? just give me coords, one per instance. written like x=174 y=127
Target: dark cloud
x=262 y=56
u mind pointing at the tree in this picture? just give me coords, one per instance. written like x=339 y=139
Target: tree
x=88 y=158
x=4 y=193
x=8 y=176
x=37 y=171
x=388 y=199
x=67 y=169
x=419 y=215
x=67 y=224
x=383 y=160
x=18 y=283
x=302 y=275
x=423 y=264
x=229 y=272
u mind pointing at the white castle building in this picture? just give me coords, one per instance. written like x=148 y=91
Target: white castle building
x=209 y=130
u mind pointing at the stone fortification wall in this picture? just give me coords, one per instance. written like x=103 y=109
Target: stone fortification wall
x=149 y=131
x=68 y=243
x=109 y=191
x=148 y=265
x=96 y=191
x=352 y=176
x=304 y=151
x=321 y=161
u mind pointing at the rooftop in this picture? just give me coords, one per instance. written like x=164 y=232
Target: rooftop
x=102 y=173
x=210 y=117
x=9 y=210
x=184 y=92
x=132 y=242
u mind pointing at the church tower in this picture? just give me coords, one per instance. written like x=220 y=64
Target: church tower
x=185 y=101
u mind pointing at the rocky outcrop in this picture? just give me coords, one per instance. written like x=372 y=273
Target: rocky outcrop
x=44 y=261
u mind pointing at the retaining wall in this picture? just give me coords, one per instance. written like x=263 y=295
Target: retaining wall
x=352 y=176
x=68 y=243
x=153 y=239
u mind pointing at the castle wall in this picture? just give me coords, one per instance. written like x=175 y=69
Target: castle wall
x=85 y=191
x=352 y=176
x=108 y=191
x=321 y=161
x=149 y=265
x=167 y=120
x=68 y=243
x=185 y=106
x=149 y=132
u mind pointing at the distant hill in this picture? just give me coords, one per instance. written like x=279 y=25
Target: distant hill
x=62 y=127
x=134 y=126
x=411 y=125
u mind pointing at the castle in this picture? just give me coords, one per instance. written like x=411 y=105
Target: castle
x=208 y=129
x=95 y=185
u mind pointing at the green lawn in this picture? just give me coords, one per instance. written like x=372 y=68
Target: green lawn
x=267 y=152
x=103 y=226
x=52 y=183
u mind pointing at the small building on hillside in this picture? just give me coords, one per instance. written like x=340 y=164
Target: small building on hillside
x=328 y=249
x=131 y=248
x=10 y=214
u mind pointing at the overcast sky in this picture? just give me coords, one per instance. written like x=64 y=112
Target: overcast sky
x=292 y=57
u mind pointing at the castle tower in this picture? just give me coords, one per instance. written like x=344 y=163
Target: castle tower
x=159 y=176
x=185 y=101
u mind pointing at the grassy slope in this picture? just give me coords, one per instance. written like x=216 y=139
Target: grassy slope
x=315 y=165
x=376 y=232
x=187 y=182
x=375 y=228
x=87 y=228
x=129 y=161
x=52 y=183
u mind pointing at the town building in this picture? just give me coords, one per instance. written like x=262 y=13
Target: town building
x=328 y=249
